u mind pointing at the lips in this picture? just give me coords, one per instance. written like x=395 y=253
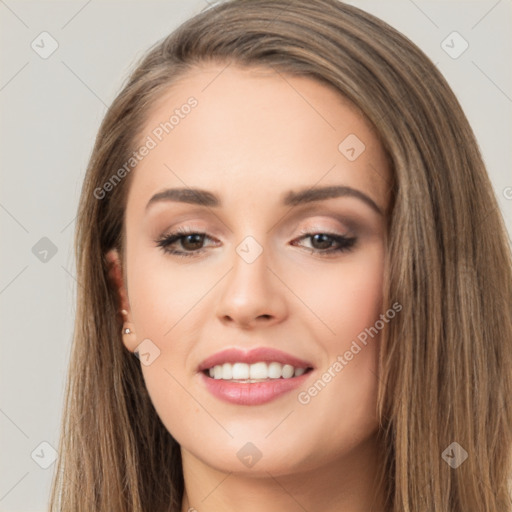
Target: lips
x=262 y=354
x=255 y=393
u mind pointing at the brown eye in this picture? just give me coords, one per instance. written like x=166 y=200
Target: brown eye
x=191 y=242
x=322 y=243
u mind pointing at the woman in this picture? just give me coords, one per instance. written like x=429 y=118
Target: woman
x=286 y=219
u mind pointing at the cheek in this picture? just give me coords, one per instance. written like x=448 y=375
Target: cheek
x=344 y=394
x=162 y=293
x=346 y=297
x=162 y=302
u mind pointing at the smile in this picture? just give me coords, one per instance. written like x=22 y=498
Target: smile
x=256 y=372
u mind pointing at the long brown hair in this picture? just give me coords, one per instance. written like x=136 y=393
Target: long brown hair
x=445 y=370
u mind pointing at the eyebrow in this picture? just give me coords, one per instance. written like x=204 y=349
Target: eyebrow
x=292 y=198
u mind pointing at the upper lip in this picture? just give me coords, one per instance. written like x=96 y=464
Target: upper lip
x=265 y=354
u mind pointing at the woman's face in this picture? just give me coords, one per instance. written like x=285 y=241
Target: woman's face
x=278 y=263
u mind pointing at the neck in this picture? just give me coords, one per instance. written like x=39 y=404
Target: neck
x=346 y=485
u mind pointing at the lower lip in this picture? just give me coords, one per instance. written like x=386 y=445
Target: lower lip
x=255 y=393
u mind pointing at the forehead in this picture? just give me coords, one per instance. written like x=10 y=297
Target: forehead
x=256 y=129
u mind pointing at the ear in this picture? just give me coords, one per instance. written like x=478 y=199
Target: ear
x=115 y=274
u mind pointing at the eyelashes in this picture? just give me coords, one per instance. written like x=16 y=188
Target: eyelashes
x=193 y=238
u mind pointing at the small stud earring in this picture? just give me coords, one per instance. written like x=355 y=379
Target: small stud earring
x=127 y=330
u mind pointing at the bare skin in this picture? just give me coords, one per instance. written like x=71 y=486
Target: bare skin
x=253 y=136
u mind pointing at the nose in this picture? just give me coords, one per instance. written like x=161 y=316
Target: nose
x=253 y=294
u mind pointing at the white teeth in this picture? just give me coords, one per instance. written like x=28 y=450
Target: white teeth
x=275 y=370
x=217 y=372
x=227 y=371
x=240 y=371
x=258 y=371
x=288 y=371
x=299 y=371
x=255 y=371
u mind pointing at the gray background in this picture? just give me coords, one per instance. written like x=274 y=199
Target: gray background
x=51 y=110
